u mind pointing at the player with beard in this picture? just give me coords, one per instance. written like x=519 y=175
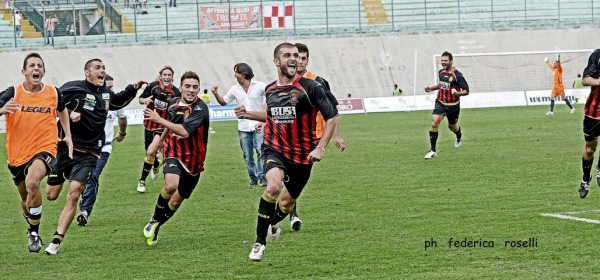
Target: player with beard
x=31 y=109
x=185 y=139
x=88 y=102
x=156 y=96
x=292 y=105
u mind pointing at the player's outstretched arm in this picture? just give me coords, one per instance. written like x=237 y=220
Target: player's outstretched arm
x=241 y=113
x=591 y=82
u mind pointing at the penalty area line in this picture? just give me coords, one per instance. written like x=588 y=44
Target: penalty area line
x=567 y=217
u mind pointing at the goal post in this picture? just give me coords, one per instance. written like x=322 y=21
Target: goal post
x=515 y=71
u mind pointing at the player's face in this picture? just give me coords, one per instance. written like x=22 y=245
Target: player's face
x=166 y=78
x=34 y=71
x=189 y=90
x=239 y=77
x=95 y=73
x=287 y=61
x=446 y=62
x=302 y=63
x=110 y=84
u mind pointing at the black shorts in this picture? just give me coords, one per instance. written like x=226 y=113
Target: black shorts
x=451 y=112
x=296 y=175
x=187 y=181
x=79 y=168
x=149 y=136
x=20 y=172
x=591 y=128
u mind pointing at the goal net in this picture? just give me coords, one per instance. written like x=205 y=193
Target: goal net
x=515 y=71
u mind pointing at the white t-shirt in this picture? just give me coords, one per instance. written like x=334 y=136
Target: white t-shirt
x=254 y=100
x=109 y=129
x=17 y=19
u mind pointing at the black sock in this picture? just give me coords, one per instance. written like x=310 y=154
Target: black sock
x=156 y=162
x=266 y=211
x=279 y=215
x=146 y=170
x=57 y=238
x=586 y=165
x=433 y=135
x=168 y=213
x=551 y=105
x=162 y=203
x=293 y=213
x=34 y=222
x=458 y=134
x=568 y=103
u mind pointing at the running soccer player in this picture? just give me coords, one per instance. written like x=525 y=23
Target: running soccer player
x=591 y=122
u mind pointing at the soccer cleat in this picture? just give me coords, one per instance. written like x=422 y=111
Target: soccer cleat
x=458 y=142
x=154 y=240
x=257 y=252
x=549 y=113
x=430 y=154
x=154 y=173
x=151 y=231
x=82 y=218
x=52 y=249
x=584 y=189
x=35 y=242
x=263 y=182
x=141 y=187
x=295 y=223
x=572 y=111
x=275 y=231
x=252 y=183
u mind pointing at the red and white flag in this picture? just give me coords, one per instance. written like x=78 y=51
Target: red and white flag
x=278 y=17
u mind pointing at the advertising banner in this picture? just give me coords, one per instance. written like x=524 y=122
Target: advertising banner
x=223 y=18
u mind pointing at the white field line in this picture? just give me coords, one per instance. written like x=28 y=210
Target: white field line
x=567 y=217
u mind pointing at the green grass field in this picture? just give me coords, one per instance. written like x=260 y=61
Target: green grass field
x=367 y=212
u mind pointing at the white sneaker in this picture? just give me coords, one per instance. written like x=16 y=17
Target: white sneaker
x=52 y=249
x=549 y=113
x=295 y=223
x=141 y=187
x=275 y=231
x=257 y=252
x=458 y=142
x=430 y=154
x=572 y=111
x=154 y=173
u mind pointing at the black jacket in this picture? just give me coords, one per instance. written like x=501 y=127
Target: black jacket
x=93 y=103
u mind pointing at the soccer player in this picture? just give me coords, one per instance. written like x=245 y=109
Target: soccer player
x=30 y=109
x=451 y=86
x=292 y=105
x=250 y=94
x=88 y=199
x=591 y=122
x=558 y=89
x=184 y=150
x=156 y=96
x=303 y=59
x=88 y=102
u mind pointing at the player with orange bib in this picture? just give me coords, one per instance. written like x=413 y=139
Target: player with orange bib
x=558 y=89
x=30 y=109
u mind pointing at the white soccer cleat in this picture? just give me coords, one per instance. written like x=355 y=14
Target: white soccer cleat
x=52 y=249
x=141 y=187
x=296 y=223
x=154 y=173
x=549 y=113
x=257 y=252
x=430 y=154
x=572 y=111
x=275 y=231
x=458 y=142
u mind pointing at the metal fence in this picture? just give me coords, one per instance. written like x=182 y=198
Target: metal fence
x=160 y=20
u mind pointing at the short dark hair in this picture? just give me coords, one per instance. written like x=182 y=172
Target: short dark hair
x=166 y=68
x=578 y=75
x=448 y=54
x=108 y=78
x=189 y=75
x=33 y=54
x=88 y=64
x=277 y=51
x=205 y=90
x=245 y=70
x=302 y=48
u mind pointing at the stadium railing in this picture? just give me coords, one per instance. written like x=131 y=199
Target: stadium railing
x=208 y=20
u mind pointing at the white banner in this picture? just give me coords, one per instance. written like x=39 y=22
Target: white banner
x=493 y=99
x=542 y=97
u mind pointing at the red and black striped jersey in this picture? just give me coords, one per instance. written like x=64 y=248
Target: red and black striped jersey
x=291 y=117
x=592 y=104
x=160 y=101
x=449 y=80
x=190 y=151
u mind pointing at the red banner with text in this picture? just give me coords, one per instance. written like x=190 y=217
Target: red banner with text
x=224 y=18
